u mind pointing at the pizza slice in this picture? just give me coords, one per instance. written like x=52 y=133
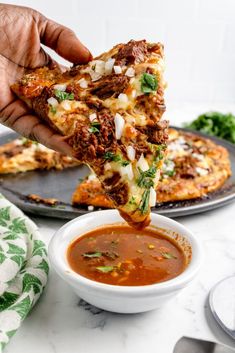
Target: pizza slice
x=22 y=155
x=194 y=167
x=110 y=111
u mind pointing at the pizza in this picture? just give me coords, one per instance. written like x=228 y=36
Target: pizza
x=110 y=112
x=194 y=167
x=22 y=155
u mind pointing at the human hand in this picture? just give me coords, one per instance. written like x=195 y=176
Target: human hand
x=22 y=31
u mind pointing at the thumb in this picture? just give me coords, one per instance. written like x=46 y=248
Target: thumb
x=64 y=41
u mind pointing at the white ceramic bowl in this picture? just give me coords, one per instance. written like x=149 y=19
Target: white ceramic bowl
x=121 y=299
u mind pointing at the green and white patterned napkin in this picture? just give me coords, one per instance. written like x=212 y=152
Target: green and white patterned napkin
x=23 y=268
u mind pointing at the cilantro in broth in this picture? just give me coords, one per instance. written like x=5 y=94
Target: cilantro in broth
x=91 y=255
x=105 y=269
x=168 y=255
x=148 y=83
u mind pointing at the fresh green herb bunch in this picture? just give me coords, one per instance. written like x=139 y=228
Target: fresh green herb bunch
x=215 y=124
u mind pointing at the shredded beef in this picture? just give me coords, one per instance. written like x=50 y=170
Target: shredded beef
x=111 y=85
x=153 y=107
x=75 y=89
x=132 y=52
x=118 y=193
x=185 y=167
x=157 y=133
x=92 y=146
x=14 y=151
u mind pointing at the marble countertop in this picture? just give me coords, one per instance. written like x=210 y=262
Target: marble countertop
x=63 y=323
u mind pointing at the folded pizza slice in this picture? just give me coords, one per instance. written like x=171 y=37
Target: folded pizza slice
x=110 y=111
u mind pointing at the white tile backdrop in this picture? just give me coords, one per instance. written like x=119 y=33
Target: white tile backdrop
x=199 y=39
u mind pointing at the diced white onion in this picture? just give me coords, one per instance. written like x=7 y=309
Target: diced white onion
x=168 y=166
x=95 y=76
x=119 y=125
x=52 y=101
x=181 y=140
x=123 y=98
x=175 y=146
x=133 y=93
x=140 y=120
x=130 y=153
x=65 y=105
x=60 y=87
x=109 y=66
x=152 y=197
x=99 y=67
x=130 y=72
x=117 y=69
x=92 y=177
x=92 y=117
x=142 y=163
x=83 y=83
x=127 y=170
x=198 y=156
x=107 y=166
x=201 y=171
x=90 y=208
x=132 y=80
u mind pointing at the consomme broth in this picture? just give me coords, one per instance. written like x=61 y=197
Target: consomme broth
x=121 y=255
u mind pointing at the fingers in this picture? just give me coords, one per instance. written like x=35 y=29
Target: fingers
x=30 y=126
x=64 y=41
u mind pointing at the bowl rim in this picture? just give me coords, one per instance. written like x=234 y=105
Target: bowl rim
x=73 y=278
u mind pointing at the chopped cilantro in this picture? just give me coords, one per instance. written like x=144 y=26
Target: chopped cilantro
x=93 y=130
x=92 y=254
x=61 y=95
x=170 y=173
x=132 y=201
x=105 y=269
x=168 y=255
x=149 y=83
x=95 y=127
x=144 y=204
x=145 y=179
x=95 y=124
x=25 y=141
x=159 y=155
x=125 y=163
x=53 y=109
x=110 y=156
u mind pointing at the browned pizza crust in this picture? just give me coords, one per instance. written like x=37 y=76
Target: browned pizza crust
x=105 y=108
x=200 y=167
x=22 y=155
